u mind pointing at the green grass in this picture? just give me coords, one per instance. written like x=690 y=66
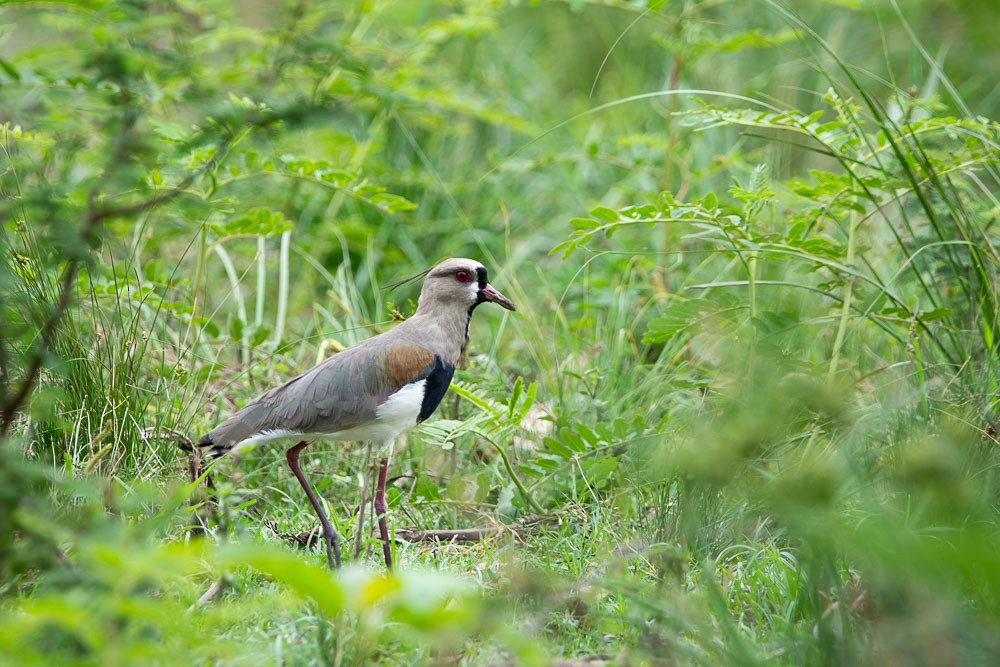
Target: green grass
x=745 y=413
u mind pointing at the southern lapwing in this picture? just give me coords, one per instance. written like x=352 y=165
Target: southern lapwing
x=372 y=391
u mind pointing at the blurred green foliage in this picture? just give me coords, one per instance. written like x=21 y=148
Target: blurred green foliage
x=746 y=412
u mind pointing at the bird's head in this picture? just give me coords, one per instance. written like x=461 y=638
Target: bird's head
x=459 y=282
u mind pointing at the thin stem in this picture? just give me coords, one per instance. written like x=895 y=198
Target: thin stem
x=241 y=308
x=845 y=311
x=279 y=324
x=258 y=316
x=920 y=379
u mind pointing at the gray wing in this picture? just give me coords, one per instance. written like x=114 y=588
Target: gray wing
x=342 y=392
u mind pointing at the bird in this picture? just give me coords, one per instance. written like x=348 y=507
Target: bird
x=372 y=391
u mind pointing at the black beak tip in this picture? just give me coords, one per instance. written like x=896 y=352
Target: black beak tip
x=489 y=293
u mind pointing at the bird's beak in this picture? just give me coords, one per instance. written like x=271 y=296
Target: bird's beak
x=489 y=293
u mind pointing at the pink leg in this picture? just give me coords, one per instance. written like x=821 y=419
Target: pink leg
x=329 y=534
x=380 y=510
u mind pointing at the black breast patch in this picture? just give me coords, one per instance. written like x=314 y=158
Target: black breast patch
x=438 y=376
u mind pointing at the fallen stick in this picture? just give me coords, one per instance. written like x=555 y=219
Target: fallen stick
x=309 y=538
x=209 y=595
x=526 y=523
x=454 y=535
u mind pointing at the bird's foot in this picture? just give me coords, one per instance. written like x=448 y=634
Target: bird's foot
x=332 y=551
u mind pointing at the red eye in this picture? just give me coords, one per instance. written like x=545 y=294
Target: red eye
x=463 y=276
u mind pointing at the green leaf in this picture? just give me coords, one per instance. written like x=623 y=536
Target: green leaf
x=597 y=471
x=521 y=411
x=392 y=203
x=606 y=214
x=515 y=394
x=584 y=223
x=936 y=314
x=677 y=317
x=254 y=222
x=427 y=488
x=572 y=440
x=769 y=322
x=260 y=334
x=557 y=448
x=10 y=69
x=547 y=464
x=307 y=580
x=588 y=435
x=236 y=327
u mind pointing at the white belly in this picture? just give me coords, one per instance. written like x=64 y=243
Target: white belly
x=397 y=414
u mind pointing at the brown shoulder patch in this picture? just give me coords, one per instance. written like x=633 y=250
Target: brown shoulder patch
x=405 y=363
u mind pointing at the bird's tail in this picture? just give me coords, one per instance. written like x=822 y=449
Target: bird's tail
x=211 y=449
